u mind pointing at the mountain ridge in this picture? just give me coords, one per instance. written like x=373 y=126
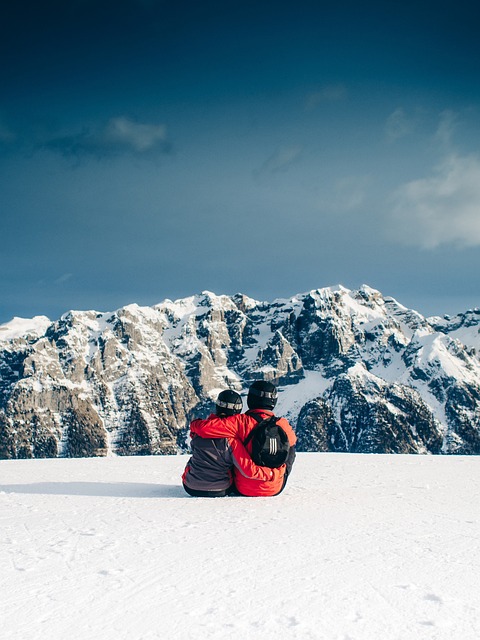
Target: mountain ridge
x=356 y=371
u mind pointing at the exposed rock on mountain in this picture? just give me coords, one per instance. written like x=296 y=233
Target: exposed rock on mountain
x=357 y=372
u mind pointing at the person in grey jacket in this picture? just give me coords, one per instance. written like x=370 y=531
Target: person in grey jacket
x=209 y=471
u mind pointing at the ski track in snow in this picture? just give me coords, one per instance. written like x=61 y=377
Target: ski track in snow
x=358 y=547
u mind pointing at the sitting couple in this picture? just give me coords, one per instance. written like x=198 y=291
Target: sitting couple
x=221 y=461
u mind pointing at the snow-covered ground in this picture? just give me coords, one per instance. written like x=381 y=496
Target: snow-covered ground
x=358 y=547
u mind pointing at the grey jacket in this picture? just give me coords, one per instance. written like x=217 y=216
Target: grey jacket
x=210 y=467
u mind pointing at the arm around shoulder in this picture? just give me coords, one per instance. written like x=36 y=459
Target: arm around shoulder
x=215 y=427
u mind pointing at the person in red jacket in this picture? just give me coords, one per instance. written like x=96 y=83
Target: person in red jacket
x=261 y=400
x=209 y=471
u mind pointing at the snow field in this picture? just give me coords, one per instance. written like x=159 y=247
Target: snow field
x=358 y=547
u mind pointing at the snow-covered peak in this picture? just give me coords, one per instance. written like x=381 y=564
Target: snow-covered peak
x=24 y=328
x=464 y=327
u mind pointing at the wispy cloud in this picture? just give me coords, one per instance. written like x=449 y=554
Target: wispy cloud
x=6 y=134
x=350 y=192
x=441 y=209
x=398 y=125
x=328 y=93
x=137 y=136
x=280 y=160
x=446 y=128
x=347 y=195
x=119 y=136
x=63 y=278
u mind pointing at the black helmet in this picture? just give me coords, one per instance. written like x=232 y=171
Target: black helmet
x=262 y=395
x=228 y=403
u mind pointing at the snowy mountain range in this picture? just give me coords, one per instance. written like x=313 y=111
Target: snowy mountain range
x=357 y=372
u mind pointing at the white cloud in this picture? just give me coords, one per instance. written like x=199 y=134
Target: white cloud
x=441 y=209
x=398 y=125
x=329 y=93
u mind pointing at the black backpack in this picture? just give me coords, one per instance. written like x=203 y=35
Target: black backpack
x=270 y=445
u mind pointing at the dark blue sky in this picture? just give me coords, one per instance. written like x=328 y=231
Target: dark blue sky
x=153 y=149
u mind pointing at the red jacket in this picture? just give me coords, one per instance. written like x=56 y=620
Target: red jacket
x=249 y=478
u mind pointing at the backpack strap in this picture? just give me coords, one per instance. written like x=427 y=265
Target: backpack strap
x=256 y=417
x=259 y=421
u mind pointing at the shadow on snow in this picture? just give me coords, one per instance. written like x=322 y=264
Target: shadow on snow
x=99 y=489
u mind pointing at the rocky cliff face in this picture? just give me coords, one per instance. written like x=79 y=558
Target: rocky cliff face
x=356 y=372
